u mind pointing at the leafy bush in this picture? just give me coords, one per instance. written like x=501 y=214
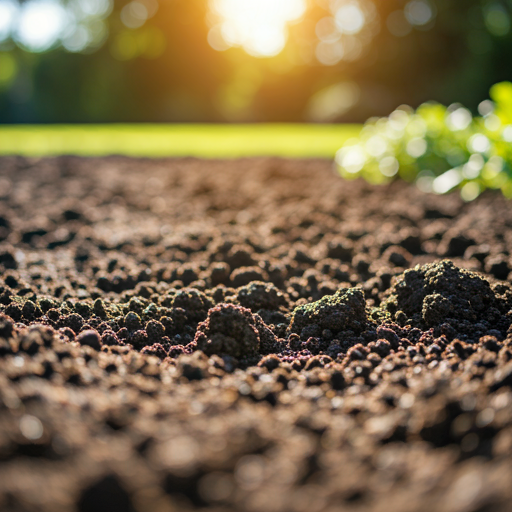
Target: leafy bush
x=440 y=148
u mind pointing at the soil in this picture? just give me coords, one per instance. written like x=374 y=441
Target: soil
x=250 y=335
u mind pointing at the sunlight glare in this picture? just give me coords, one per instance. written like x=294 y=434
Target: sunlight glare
x=259 y=26
x=40 y=24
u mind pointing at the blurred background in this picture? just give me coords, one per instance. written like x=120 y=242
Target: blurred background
x=90 y=61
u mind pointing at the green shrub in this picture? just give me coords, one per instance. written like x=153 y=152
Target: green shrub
x=440 y=148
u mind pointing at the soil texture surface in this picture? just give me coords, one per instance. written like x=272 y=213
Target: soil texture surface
x=250 y=335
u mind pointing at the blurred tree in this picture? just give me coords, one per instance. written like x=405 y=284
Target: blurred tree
x=193 y=60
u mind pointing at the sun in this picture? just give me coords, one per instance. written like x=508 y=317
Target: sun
x=258 y=26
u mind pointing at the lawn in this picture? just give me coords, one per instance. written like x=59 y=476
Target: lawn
x=200 y=140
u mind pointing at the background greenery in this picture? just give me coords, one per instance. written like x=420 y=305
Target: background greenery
x=439 y=148
x=165 y=69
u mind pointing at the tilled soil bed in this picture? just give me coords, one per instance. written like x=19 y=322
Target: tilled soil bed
x=250 y=335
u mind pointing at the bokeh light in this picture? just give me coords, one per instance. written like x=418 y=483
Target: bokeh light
x=459 y=119
x=497 y=19
x=332 y=102
x=134 y=14
x=40 y=24
x=8 y=69
x=419 y=12
x=92 y=8
x=345 y=34
x=349 y=18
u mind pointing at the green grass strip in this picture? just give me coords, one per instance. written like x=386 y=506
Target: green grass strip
x=161 y=140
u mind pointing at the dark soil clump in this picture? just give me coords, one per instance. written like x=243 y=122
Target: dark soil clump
x=257 y=335
x=234 y=331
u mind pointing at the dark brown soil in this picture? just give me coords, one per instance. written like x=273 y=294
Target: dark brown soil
x=254 y=335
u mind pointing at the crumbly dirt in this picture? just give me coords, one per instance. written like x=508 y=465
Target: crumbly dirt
x=250 y=335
